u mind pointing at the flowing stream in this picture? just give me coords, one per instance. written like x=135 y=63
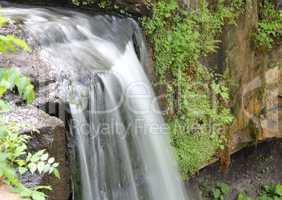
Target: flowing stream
x=121 y=139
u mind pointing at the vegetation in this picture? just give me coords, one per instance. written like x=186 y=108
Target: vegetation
x=268 y=192
x=11 y=79
x=196 y=97
x=221 y=191
x=269 y=24
x=15 y=159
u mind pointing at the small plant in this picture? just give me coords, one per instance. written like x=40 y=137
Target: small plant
x=11 y=79
x=220 y=192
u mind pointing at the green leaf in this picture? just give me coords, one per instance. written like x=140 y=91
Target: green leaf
x=22 y=170
x=216 y=193
x=22 y=84
x=224 y=188
x=5 y=106
x=38 y=196
x=56 y=173
x=40 y=166
x=20 y=43
x=32 y=167
x=51 y=160
x=278 y=190
x=29 y=94
x=43 y=187
x=44 y=157
x=243 y=196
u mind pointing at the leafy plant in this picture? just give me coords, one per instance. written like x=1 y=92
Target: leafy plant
x=221 y=191
x=269 y=24
x=11 y=78
x=16 y=160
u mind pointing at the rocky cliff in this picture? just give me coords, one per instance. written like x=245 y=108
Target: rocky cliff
x=256 y=78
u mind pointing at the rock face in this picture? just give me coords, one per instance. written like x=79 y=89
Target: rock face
x=257 y=83
x=6 y=195
x=50 y=136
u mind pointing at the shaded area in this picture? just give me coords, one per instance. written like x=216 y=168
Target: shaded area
x=250 y=169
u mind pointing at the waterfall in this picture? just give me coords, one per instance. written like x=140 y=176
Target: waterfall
x=122 y=142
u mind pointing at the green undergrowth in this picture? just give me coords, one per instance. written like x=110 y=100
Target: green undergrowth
x=267 y=192
x=269 y=24
x=196 y=98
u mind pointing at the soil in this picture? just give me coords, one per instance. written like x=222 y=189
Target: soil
x=250 y=169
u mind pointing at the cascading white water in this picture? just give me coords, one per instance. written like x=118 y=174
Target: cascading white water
x=120 y=136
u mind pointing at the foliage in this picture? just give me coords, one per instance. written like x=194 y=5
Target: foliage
x=268 y=192
x=221 y=191
x=11 y=78
x=269 y=24
x=196 y=98
x=271 y=192
x=11 y=42
x=15 y=159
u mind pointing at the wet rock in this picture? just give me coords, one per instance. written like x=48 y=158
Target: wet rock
x=50 y=135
